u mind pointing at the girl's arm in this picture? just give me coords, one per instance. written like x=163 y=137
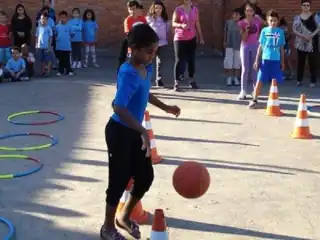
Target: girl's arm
x=295 y=32
x=225 y=34
x=244 y=34
x=198 y=26
x=259 y=52
x=175 y=22
x=282 y=57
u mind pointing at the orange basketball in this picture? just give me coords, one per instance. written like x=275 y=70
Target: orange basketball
x=191 y=179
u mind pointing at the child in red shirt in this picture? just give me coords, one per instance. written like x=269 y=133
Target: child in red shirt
x=135 y=17
x=5 y=38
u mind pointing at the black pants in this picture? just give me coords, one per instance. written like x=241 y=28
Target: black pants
x=126 y=161
x=312 y=61
x=185 y=52
x=64 y=61
x=76 y=51
x=123 y=52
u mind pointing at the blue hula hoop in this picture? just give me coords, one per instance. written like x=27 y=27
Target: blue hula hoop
x=11 y=228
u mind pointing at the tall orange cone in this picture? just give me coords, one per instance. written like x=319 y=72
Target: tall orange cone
x=273 y=105
x=155 y=158
x=301 y=125
x=159 y=226
x=138 y=214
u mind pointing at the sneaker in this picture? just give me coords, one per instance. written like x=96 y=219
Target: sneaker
x=236 y=81
x=70 y=74
x=252 y=104
x=58 y=74
x=95 y=65
x=79 y=64
x=110 y=234
x=85 y=65
x=74 y=65
x=24 y=79
x=242 y=95
x=312 y=85
x=193 y=85
x=229 y=81
x=299 y=84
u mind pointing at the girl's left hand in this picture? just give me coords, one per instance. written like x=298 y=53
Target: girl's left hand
x=201 y=41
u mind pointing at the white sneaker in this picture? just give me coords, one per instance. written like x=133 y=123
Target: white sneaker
x=70 y=74
x=79 y=65
x=242 y=95
x=229 y=81
x=85 y=65
x=95 y=65
x=58 y=74
x=236 y=81
x=74 y=64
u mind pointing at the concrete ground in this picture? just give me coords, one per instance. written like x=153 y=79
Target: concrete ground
x=264 y=185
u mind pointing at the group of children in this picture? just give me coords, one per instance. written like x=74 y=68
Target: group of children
x=257 y=46
x=57 y=42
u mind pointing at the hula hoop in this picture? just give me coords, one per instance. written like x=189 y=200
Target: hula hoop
x=21 y=174
x=14 y=115
x=315 y=114
x=11 y=228
x=37 y=147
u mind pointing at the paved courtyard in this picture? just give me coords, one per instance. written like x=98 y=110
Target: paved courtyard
x=264 y=185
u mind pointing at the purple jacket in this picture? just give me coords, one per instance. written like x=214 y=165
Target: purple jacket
x=161 y=28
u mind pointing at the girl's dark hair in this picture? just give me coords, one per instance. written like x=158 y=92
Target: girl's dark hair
x=283 y=22
x=89 y=11
x=76 y=10
x=16 y=15
x=152 y=12
x=142 y=36
x=250 y=5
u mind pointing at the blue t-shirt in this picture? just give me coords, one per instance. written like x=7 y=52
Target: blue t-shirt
x=15 y=65
x=51 y=23
x=76 y=26
x=43 y=34
x=132 y=91
x=63 y=37
x=89 y=31
x=271 y=40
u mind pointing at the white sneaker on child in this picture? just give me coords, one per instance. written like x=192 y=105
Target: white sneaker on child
x=95 y=65
x=59 y=74
x=79 y=64
x=74 y=64
x=70 y=74
x=229 y=81
x=236 y=81
x=242 y=95
x=85 y=65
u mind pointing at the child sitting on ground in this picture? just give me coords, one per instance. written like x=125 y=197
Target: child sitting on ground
x=15 y=69
x=29 y=60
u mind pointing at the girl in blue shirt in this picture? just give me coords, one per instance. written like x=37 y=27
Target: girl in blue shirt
x=76 y=40
x=90 y=29
x=127 y=140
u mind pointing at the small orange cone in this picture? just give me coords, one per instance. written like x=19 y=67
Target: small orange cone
x=138 y=214
x=301 y=125
x=159 y=226
x=273 y=105
x=148 y=126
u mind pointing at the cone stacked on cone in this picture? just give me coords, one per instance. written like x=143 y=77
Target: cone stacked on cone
x=155 y=158
x=138 y=214
x=273 y=105
x=159 y=226
x=301 y=125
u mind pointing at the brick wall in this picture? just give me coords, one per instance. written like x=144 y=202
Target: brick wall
x=110 y=14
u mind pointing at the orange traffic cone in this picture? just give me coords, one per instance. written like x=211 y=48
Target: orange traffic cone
x=159 y=226
x=138 y=214
x=273 y=105
x=301 y=125
x=148 y=126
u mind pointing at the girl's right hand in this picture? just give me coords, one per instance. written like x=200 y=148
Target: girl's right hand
x=256 y=65
x=146 y=145
x=184 y=26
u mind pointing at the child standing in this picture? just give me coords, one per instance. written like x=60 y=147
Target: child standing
x=29 y=60
x=287 y=49
x=76 y=40
x=127 y=140
x=44 y=36
x=90 y=31
x=232 y=40
x=270 y=56
x=15 y=67
x=134 y=10
x=158 y=21
x=21 y=26
x=5 y=38
x=63 y=44
x=250 y=27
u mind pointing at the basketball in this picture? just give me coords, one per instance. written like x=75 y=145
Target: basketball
x=191 y=180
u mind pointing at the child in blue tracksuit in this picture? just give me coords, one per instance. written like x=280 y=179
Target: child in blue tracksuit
x=127 y=140
x=63 y=44
x=270 y=56
x=76 y=40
